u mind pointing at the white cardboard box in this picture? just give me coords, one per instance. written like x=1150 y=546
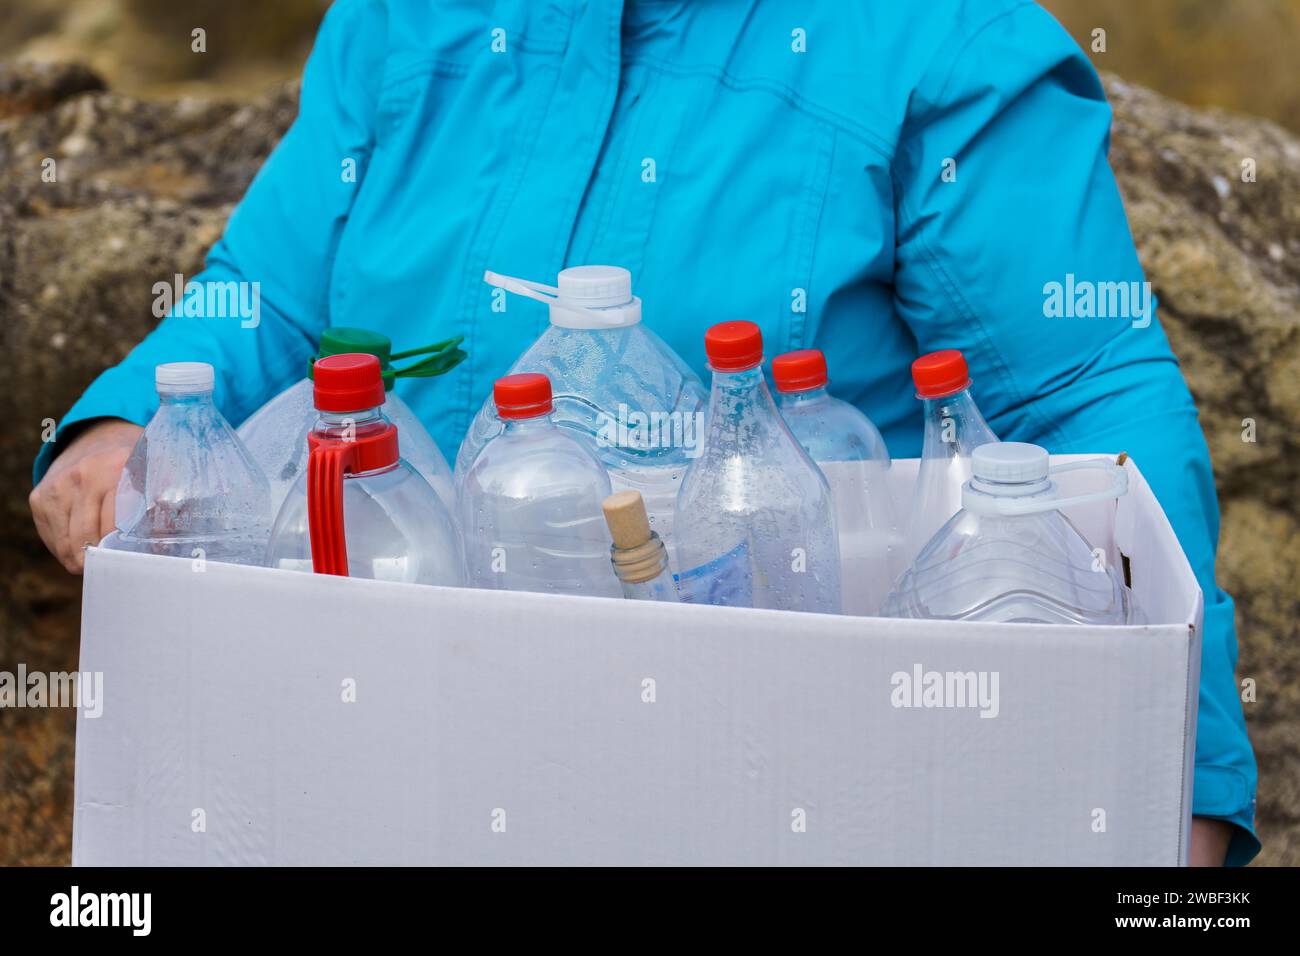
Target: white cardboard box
x=512 y=728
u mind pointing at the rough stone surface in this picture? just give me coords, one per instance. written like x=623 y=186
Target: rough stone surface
x=144 y=188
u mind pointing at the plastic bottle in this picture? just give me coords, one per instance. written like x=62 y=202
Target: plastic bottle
x=1009 y=555
x=276 y=434
x=190 y=488
x=615 y=383
x=954 y=428
x=755 y=518
x=638 y=555
x=530 y=502
x=359 y=509
x=848 y=448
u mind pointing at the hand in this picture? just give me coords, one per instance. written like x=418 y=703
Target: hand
x=1210 y=839
x=73 y=504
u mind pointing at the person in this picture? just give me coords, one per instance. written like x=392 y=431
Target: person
x=876 y=179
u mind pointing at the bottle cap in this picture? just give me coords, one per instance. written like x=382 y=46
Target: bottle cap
x=583 y=297
x=940 y=374
x=625 y=514
x=800 y=371
x=176 y=378
x=524 y=395
x=1009 y=461
x=734 y=346
x=348 y=382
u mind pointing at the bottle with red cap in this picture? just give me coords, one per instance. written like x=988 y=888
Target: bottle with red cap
x=276 y=434
x=851 y=453
x=190 y=489
x=954 y=428
x=359 y=509
x=755 y=518
x=530 y=501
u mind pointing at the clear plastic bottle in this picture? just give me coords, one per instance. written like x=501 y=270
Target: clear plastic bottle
x=755 y=517
x=638 y=554
x=615 y=383
x=1009 y=555
x=358 y=509
x=849 y=449
x=276 y=434
x=530 y=502
x=190 y=488
x=954 y=428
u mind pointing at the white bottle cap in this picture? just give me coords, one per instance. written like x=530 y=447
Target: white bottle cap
x=585 y=297
x=180 y=377
x=1009 y=461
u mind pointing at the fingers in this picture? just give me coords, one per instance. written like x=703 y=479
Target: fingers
x=107 y=513
x=83 y=527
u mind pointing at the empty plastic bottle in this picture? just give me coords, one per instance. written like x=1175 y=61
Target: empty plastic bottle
x=615 y=383
x=530 y=502
x=359 y=509
x=755 y=517
x=190 y=488
x=848 y=448
x=276 y=434
x=954 y=428
x=638 y=555
x=1009 y=555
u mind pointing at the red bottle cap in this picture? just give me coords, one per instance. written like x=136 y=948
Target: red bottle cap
x=525 y=395
x=349 y=382
x=734 y=346
x=940 y=374
x=800 y=371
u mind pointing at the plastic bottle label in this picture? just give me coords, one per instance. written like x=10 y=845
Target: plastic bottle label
x=727 y=580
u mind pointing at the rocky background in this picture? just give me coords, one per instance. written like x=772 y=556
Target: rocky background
x=144 y=186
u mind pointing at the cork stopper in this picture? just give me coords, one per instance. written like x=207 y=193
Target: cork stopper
x=628 y=524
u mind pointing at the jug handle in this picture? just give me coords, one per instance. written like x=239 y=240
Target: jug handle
x=327 y=463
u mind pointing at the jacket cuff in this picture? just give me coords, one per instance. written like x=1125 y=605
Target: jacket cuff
x=1223 y=793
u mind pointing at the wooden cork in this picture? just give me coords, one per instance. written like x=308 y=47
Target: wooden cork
x=628 y=524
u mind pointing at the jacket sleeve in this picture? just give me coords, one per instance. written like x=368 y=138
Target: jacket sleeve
x=1002 y=188
x=256 y=310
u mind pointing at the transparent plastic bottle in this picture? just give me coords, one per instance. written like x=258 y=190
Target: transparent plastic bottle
x=638 y=554
x=276 y=434
x=954 y=428
x=1009 y=555
x=358 y=509
x=755 y=517
x=190 y=488
x=530 y=502
x=849 y=449
x=615 y=383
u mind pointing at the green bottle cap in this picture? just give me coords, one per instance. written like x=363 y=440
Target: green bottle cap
x=338 y=340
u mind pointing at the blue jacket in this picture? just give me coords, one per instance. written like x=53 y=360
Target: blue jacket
x=877 y=179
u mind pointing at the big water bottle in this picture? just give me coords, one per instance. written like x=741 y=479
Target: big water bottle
x=1009 y=554
x=359 y=509
x=954 y=428
x=848 y=448
x=190 y=488
x=614 y=382
x=530 y=502
x=276 y=433
x=755 y=518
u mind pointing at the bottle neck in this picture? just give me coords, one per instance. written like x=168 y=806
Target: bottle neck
x=348 y=425
x=735 y=390
x=642 y=564
x=954 y=425
x=813 y=396
x=185 y=398
x=527 y=426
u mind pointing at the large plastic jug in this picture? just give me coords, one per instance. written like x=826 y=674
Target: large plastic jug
x=755 y=517
x=190 y=488
x=359 y=509
x=614 y=382
x=276 y=434
x=530 y=502
x=1010 y=555
x=833 y=432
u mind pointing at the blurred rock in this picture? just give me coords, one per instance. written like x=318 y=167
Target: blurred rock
x=144 y=188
